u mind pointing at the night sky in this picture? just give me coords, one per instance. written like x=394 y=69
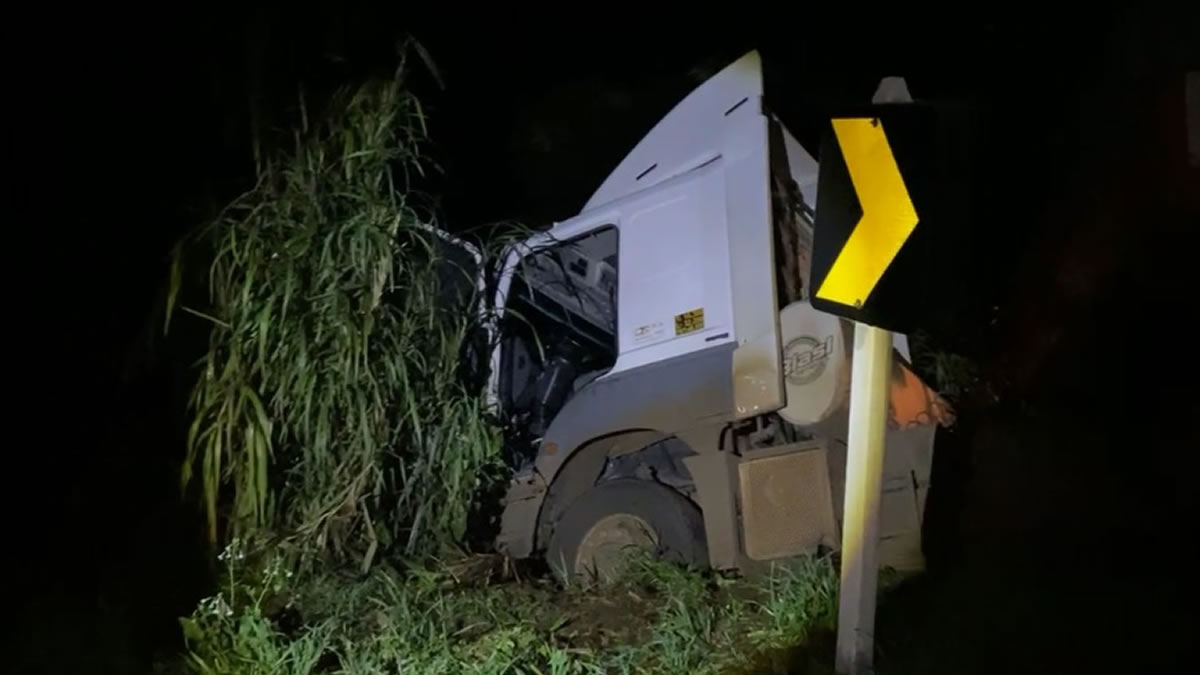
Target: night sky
x=131 y=127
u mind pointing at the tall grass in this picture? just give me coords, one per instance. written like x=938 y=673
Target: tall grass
x=327 y=407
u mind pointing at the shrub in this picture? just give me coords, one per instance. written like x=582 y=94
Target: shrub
x=327 y=409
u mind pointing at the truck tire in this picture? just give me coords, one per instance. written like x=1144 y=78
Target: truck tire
x=593 y=536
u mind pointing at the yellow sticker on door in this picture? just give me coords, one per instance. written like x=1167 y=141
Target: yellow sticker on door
x=689 y=322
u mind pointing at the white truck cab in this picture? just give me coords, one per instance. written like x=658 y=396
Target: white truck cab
x=662 y=379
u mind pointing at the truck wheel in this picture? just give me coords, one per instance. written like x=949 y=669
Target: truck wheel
x=595 y=536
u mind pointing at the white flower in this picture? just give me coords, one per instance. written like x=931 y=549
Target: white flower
x=233 y=551
x=216 y=606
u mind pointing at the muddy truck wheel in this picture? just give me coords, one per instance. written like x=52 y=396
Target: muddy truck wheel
x=616 y=520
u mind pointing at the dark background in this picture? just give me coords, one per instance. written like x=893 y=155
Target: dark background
x=1060 y=527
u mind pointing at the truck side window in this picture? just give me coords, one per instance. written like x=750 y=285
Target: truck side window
x=560 y=325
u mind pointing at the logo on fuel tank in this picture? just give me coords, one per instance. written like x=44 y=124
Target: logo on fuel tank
x=805 y=358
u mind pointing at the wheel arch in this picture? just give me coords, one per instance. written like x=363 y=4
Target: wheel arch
x=582 y=469
x=529 y=516
x=615 y=414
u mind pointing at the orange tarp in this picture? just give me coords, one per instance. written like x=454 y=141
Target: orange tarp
x=911 y=401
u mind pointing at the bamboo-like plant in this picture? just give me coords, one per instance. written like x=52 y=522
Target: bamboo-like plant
x=327 y=407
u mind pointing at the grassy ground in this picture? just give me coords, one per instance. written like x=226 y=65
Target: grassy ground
x=470 y=618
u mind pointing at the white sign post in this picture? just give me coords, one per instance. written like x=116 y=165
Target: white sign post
x=864 y=476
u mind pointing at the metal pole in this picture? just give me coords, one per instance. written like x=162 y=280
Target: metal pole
x=864 y=478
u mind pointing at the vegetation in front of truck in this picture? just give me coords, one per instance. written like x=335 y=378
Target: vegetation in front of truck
x=327 y=410
x=421 y=620
x=336 y=451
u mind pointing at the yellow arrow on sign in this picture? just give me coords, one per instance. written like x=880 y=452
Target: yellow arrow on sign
x=888 y=213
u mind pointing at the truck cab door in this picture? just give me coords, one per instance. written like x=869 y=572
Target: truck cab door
x=706 y=160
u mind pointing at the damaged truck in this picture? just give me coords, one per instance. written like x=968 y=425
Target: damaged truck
x=661 y=377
